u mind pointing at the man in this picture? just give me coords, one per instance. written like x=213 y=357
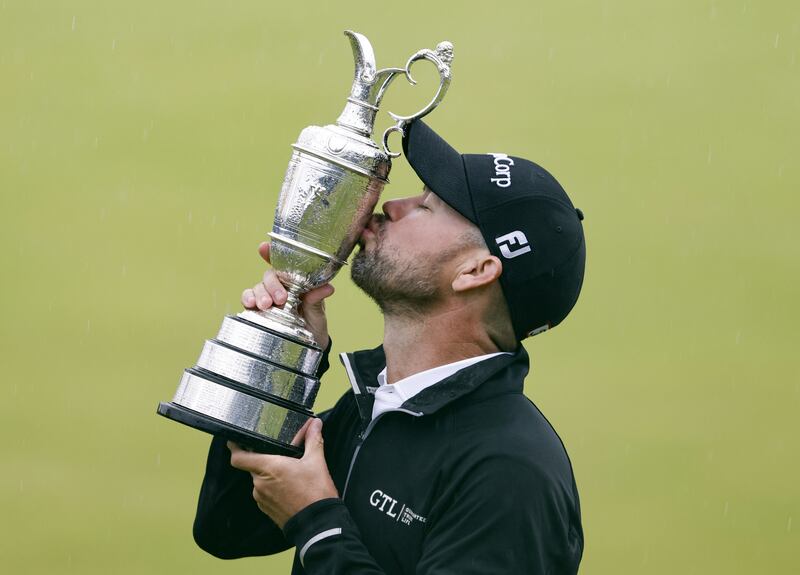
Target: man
x=435 y=462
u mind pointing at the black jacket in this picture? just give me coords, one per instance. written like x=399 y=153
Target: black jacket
x=468 y=478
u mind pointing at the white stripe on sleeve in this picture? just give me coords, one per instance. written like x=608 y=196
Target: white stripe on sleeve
x=315 y=539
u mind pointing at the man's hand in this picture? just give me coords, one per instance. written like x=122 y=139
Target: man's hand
x=271 y=292
x=284 y=486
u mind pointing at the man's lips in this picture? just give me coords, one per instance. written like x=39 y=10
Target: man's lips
x=372 y=228
x=366 y=233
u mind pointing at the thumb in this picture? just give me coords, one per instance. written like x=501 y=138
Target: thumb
x=314 y=442
x=316 y=295
x=313 y=310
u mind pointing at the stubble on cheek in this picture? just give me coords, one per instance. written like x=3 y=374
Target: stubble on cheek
x=397 y=283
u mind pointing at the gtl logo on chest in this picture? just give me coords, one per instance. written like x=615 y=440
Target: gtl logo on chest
x=379 y=499
x=387 y=505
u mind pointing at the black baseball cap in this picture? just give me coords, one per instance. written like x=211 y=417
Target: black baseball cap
x=525 y=217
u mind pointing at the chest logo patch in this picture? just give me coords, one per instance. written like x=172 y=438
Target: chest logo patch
x=393 y=509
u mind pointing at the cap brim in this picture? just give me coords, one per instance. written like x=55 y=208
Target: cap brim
x=439 y=166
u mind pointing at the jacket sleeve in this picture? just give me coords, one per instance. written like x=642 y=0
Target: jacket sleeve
x=228 y=523
x=504 y=517
x=328 y=541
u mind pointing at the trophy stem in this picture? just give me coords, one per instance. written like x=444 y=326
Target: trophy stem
x=292 y=305
x=285 y=320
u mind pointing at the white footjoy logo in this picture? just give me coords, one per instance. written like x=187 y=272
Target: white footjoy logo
x=502 y=170
x=508 y=241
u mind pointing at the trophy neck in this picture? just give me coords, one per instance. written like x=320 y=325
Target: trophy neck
x=358 y=117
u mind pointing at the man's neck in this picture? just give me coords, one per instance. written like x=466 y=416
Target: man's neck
x=414 y=344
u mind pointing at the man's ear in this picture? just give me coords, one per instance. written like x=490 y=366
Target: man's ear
x=478 y=271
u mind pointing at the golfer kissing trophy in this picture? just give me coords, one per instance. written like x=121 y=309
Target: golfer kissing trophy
x=255 y=383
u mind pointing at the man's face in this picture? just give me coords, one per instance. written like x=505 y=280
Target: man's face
x=409 y=253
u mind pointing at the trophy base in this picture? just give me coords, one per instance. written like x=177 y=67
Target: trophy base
x=238 y=435
x=252 y=385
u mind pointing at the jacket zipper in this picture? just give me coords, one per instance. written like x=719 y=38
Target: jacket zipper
x=362 y=436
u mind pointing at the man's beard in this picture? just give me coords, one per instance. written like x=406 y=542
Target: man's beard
x=398 y=287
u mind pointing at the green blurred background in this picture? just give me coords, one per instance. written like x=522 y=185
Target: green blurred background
x=142 y=146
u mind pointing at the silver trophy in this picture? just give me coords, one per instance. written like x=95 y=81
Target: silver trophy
x=256 y=381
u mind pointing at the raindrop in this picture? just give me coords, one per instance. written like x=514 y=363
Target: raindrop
x=73 y=23
x=114 y=44
x=777 y=39
x=725 y=511
x=789 y=524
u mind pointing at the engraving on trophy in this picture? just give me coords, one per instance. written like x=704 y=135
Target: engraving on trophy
x=256 y=381
x=320 y=193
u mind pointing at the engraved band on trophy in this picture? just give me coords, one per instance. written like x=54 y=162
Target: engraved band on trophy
x=255 y=383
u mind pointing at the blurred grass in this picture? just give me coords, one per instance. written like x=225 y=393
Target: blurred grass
x=142 y=147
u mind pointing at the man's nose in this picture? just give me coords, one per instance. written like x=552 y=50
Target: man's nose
x=396 y=209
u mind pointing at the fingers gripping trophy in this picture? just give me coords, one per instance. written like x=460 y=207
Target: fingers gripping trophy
x=255 y=382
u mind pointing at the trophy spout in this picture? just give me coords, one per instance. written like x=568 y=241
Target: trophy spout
x=369 y=85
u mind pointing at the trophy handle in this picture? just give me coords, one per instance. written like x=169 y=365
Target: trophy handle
x=442 y=57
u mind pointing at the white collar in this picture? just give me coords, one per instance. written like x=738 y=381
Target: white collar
x=390 y=397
